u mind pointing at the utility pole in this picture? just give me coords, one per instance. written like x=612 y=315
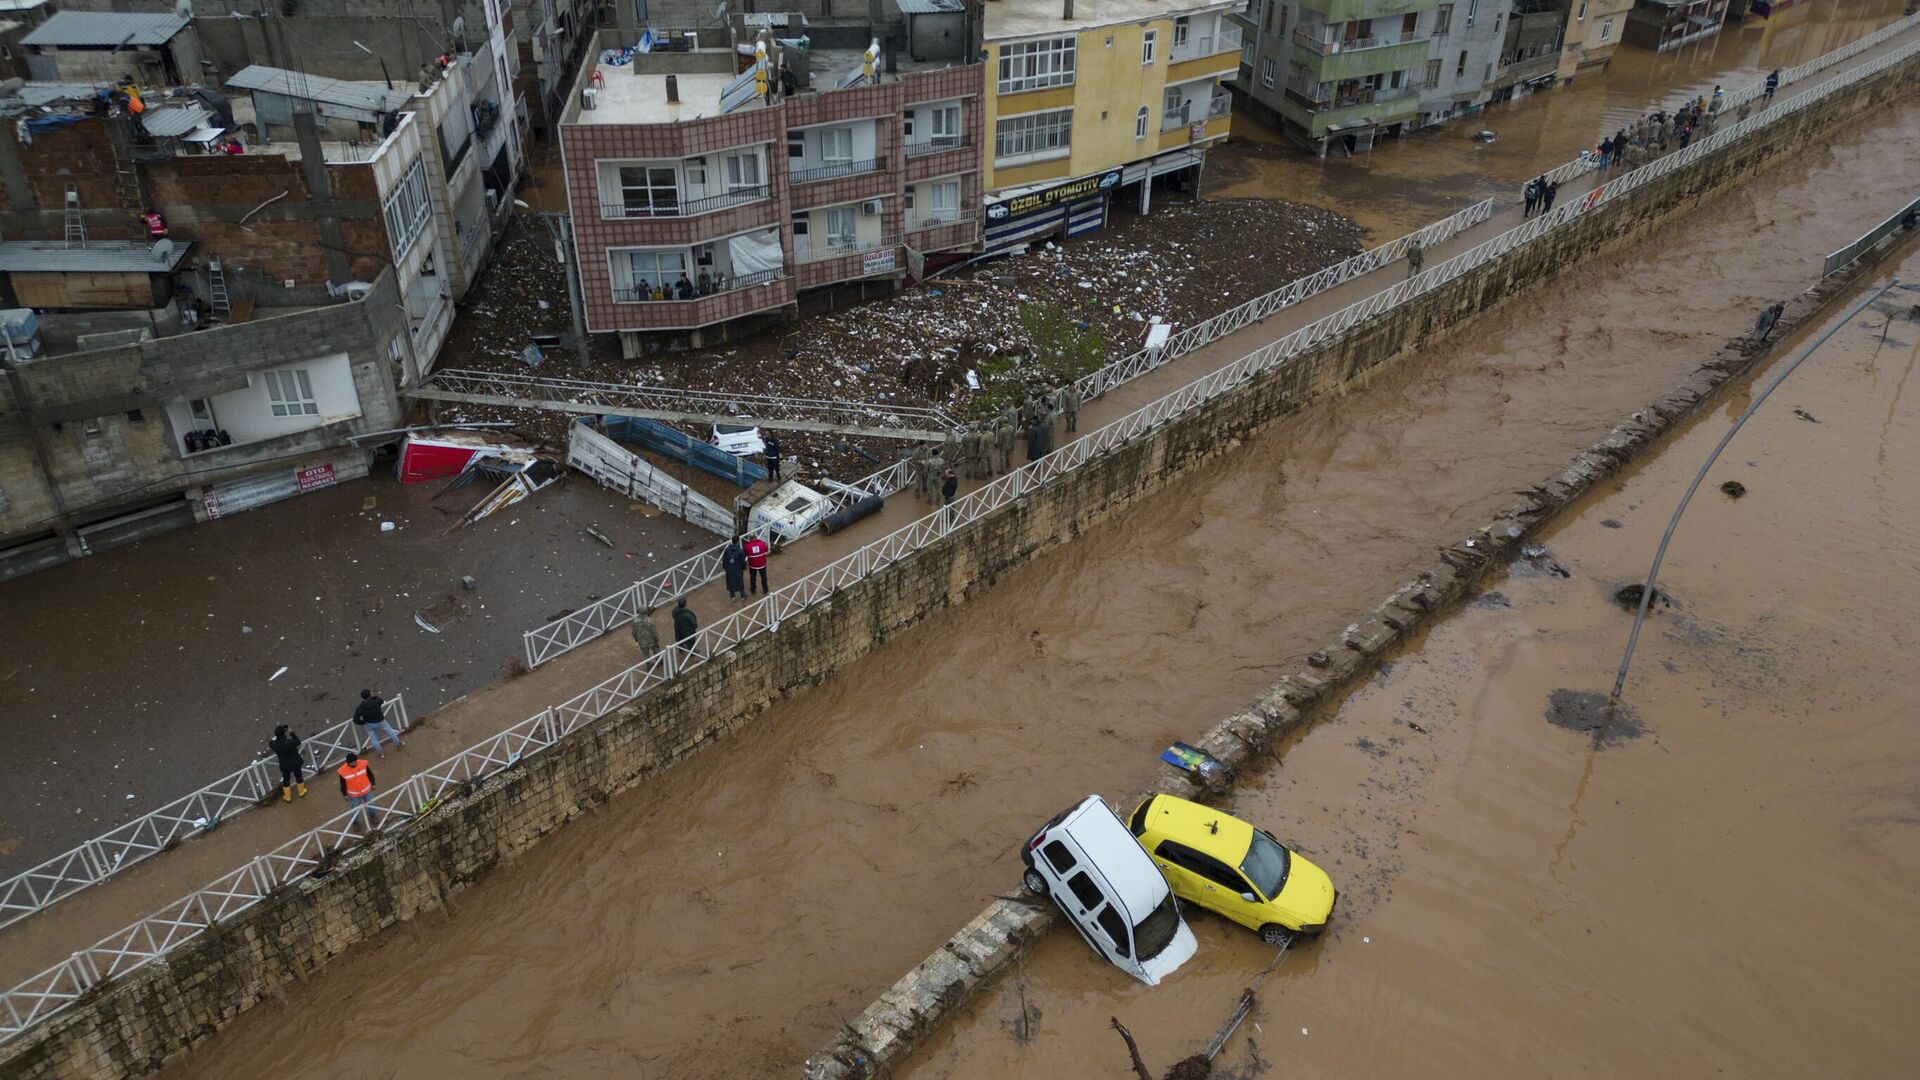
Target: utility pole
x=562 y=232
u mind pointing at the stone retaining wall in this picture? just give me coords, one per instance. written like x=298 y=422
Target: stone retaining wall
x=155 y=1013
x=910 y=1010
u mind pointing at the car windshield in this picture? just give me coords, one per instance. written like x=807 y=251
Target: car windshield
x=1265 y=865
x=1157 y=930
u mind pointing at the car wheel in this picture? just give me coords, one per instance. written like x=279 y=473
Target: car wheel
x=1035 y=884
x=1275 y=934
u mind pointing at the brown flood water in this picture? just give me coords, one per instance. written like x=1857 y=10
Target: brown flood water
x=1407 y=183
x=1729 y=892
x=723 y=920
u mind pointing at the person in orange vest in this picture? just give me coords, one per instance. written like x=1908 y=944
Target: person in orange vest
x=756 y=549
x=356 y=783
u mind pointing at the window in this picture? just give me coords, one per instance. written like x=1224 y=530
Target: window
x=1058 y=856
x=1035 y=65
x=943 y=199
x=1606 y=28
x=1266 y=864
x=944 y=125
x=407 y=210
x=135 y=416
x=840 y=227
x=202 y=412
x=1433 y=73
x=796 y=145
x=1147 y=45
x=1283 y=22
x=1581 y=15
x=291 y=393
x=647 y=190
x=1266 y=73
x=907 y=198
x=1460 y=68
x=1181 y=27
x=743 y=170
x=1246 y=51
x=697 y=172
x=1442 y=19
x=1205 y=866
x=1140 y=123
x=1047 y=134
x=836 y=146
x=1472 y=7
x=1116 y=930
x=1085 y=890
x=654 y=270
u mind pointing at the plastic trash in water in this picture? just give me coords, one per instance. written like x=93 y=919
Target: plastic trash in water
x=386 y=526
x=277 y=674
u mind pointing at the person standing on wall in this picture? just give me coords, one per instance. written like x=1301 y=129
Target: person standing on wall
x=371 y=717
x=733 y=560
x=1416 y=258
x=1546 y=198
x=356 y=783
x=1532 y=192
x=773 y=457
x=293 y=770
x=1773 y=82
x=756 y=551
x=685 y=623
x=949 y=487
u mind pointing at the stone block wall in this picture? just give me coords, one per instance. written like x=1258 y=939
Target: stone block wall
x=154 y=1014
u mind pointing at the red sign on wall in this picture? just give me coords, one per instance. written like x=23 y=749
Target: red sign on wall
x=317 y=477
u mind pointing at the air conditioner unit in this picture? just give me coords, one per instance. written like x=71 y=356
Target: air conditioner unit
x=871 y=207
x=588 y=97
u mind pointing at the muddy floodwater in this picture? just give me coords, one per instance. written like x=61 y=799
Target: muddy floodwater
x=724 y=918
x=1724 y=885
x=1406 y=183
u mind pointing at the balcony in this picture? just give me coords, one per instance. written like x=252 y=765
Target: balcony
x=1328 y=48
x=1198 y=45
x=935 y=145
x=1316 y=110
x=938 y=232
x=636 y=294
x=669 y=208
x=834 y=251
x=746 y=296
x=1177 y=118
x=1340 y=11
x=834 y=171
x=1353 y=60
x=847 y=263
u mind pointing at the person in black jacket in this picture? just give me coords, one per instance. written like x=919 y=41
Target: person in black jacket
x=733 y=560
x=293 y=771
x=684 y=621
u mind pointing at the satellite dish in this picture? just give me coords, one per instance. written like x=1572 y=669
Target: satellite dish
x=163 y=247
x=183 y=8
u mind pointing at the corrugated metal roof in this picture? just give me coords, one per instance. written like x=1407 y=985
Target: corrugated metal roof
x=46 y=93
x=101 y=256
x=169 y=123
x=930 y=7
x=175 y=122
x=106 y=29
x=371 y=96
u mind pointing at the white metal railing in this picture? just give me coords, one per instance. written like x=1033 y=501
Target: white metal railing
x=1197 y=45
x=1731 y=102
x=98 y=859
x=1871 y=237
x=75 y=977
x=569 y=632
x=834 y=251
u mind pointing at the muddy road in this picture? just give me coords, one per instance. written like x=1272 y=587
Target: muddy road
x=725 y=918
x=131 y=678
x=1406 y=183
x=1727 y=873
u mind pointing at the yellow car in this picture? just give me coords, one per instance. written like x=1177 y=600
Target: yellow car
x=1223 y=864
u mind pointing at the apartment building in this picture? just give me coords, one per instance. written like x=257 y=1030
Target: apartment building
x=1595 y=28
x=1087 y=99
x=706 y=198
x=1661 y=25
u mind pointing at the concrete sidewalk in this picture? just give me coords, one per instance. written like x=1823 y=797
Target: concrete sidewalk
x=45 y=939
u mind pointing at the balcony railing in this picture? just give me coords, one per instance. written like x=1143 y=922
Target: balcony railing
x=1323 y=99
x=1176 y=118
x=736 y=197
x=1220 y=105
x=935 y=145
x=830 y=172
x=939 y=219
x=834 y=251
x=1196 y=45
x=637 y=294
x=1328 y=48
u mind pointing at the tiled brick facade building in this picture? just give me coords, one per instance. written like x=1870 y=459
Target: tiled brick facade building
x=753 y=206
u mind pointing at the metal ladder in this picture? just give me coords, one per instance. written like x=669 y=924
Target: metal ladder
x=76 y=221
x=217 y=288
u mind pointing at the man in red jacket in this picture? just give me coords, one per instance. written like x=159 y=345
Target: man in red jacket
x=756 y=549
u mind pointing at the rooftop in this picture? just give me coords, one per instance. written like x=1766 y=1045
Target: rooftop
x=1017 y=19
x=99 y=256
x=106 y=29
x=368 y=96
x=632 y=94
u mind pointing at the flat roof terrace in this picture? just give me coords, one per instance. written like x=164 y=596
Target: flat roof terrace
x=635 y=92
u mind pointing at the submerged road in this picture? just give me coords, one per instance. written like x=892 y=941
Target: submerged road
x=725 y=918
x=1727 y=874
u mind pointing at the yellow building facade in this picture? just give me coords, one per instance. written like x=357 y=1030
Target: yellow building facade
x=1087 y=101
